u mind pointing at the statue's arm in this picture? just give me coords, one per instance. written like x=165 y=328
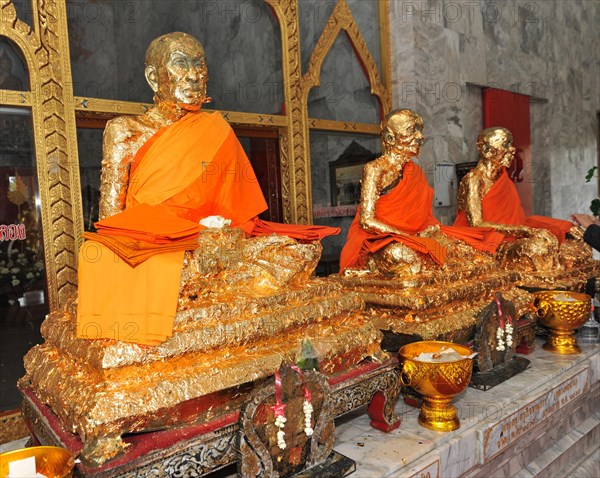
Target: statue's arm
x=371 y=186
x=472 y=198
x=116 y=161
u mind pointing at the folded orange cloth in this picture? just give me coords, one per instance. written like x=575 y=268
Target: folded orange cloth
x=120 y=302
x=502 y=205
x=297 y=231
x=408 y=207
x=149 y=223
x=136 y=251
x=189 y=170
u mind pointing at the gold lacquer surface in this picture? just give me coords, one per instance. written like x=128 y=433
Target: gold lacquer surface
x=562 y=317
x=438 y=382
x=51 y=461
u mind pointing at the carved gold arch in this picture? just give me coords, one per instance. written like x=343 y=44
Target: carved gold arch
x=44 y=45
x=295 y=139
x=341 y=19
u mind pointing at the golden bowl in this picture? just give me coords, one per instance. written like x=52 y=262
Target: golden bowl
x=438 y=382
x=50 y=461
x=561 y=317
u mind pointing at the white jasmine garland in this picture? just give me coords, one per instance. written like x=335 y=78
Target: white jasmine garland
x=308 y=410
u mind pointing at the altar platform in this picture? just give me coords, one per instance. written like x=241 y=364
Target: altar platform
x=543 y=422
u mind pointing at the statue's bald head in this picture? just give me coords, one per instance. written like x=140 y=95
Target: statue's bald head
x=495 y=147
x=176 y=69
x=160 y=48
x=402 y=132
x=494 y=137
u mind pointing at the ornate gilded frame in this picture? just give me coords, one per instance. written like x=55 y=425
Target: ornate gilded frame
x=45 y=47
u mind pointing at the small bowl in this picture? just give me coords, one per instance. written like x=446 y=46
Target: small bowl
x=51 y=461
x=562 y=318
x=438 y=382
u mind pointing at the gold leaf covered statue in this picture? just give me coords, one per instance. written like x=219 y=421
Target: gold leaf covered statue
x=488 y=198
x=174 y=319
x=395 y=230
x=418 y=277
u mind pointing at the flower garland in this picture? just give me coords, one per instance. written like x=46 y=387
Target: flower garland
x=279 y=408
x=504 y=331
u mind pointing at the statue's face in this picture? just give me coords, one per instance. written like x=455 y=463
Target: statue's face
x=407 y=130
x=183 y=75
x=497 y=147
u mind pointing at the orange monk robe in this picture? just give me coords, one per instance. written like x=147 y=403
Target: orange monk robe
x=502 y=205
x=408 y=207
x=191 y=169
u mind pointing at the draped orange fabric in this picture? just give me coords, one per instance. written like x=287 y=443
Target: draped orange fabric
x=408 y=207
x=502 y=205
x=296 y=231
x=191 y=169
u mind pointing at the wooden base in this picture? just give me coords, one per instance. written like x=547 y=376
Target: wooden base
x=196 y=450
x=499 y=374
x=336 y=466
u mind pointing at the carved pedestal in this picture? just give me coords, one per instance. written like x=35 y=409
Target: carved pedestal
x=196 y=450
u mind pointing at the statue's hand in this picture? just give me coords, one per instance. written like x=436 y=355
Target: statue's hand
x=576 y=233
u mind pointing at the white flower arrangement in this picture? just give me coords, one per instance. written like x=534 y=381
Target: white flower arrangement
x=308 y=410
x=218 y=222
x=504 y=333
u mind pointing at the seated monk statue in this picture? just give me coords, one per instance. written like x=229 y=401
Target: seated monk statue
x=163 y=172
x=488 y=198
x=394 y=230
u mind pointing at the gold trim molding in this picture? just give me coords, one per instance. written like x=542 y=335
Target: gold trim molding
x=15 y=98
x=45 y=48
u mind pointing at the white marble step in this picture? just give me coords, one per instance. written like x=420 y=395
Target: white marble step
x=568 y=455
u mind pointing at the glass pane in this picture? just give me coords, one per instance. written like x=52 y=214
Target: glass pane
x=242 y=40
x=344 y=93
x=366 y=15
x=22 y=271
x=89 y=144
x=13 y=70
x=24 y=11
x=337 y=160
x=313 y=16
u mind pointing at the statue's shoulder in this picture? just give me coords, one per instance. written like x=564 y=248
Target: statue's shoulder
x=123 y=127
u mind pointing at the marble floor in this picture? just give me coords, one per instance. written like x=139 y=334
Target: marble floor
x=414 y=451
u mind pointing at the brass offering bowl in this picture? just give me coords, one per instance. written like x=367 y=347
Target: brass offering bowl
x=50 y=461
x=438 y=382
x=562 y=317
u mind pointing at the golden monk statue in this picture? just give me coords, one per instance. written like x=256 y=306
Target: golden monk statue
x=394 y=230
x=488 y=198
x=177 y=162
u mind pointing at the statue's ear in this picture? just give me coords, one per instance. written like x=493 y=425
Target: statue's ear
x=388 y=137
x=152 y=77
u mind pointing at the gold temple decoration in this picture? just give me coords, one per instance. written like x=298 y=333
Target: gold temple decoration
x=44 y=46
x=562 y=312
x=438 y=382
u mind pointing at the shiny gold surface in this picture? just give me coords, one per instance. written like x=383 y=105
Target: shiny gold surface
x=437 y=382
x=534 y=249
x=401 y=139
x=51 y=461
x=96 y=402
x=562 y=318
x=208 y=326
x=44 y=47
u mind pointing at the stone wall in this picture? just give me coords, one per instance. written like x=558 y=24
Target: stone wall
x=444 y=51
